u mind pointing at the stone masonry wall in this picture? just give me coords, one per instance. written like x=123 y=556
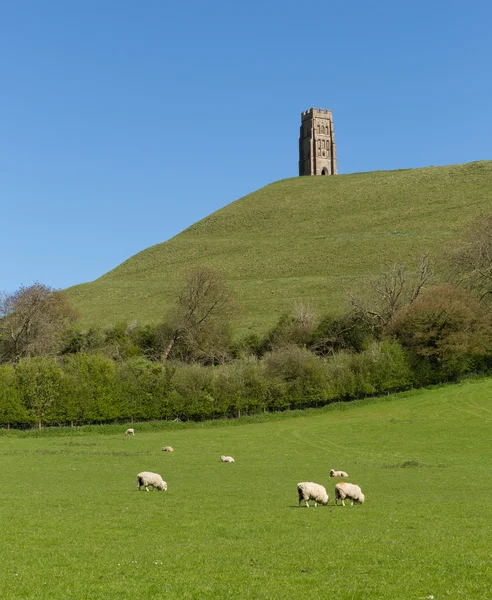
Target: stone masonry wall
x=317 y=148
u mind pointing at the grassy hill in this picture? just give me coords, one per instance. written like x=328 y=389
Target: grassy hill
x=301 y=238
x=75 y=526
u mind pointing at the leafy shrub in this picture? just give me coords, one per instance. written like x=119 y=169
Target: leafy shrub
x=195 y=384
x=150 y=339
x=344 y=332
x=143 y=387
x=303 y=373
x=382 y=367
x=250 y=345
x=240 y=388
x=12 y=410
x=39 y=381
x=91 y=389
x=447 y=329
x=292 y=329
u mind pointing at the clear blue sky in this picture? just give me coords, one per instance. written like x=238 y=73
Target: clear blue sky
x=122 y=123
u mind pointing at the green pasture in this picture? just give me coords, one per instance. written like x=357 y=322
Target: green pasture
x=305 y=238
x=74 y=525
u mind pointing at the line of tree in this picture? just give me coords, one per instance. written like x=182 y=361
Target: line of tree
x=399 y=330
x=92 y=388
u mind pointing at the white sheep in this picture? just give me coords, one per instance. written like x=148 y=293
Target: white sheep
x=227 y=459
x=130 y=431
x=147 y=478
x=168 y=449
x=348 y=490
x=307 y=490
x=334 y=473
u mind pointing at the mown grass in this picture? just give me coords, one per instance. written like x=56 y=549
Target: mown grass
x=305 y=238
x=74 y=526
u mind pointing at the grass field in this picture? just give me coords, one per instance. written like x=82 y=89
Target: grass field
x=74 y=525
x=306 y=238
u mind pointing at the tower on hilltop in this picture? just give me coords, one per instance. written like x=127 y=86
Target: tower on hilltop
x=317 y=149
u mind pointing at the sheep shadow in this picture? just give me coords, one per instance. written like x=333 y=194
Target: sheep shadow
x=311 y=506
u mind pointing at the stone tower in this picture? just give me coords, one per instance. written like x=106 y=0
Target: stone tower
x=317 y=149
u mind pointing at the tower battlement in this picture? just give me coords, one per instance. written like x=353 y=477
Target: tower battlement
x=308 y=114
x=317 y=149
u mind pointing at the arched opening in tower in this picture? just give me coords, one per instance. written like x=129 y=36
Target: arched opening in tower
x=324 y=172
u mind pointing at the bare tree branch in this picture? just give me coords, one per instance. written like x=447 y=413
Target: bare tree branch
x=201 y=316
x=470 y=261
x=380 y=299
x=32 y=321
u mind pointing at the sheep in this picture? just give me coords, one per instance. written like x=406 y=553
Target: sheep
x=348 y=490
x=147 y=478
x=130 y=431
x=227 y=459
x=168 y=449
x=307 y=490
x=334 y=473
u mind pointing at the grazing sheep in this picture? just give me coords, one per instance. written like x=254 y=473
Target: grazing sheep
x=227 y=459
x=168 y=449
x=130 y=431
x=334 y=473
x=348 y=490
x=147 y=478
x=307 y=490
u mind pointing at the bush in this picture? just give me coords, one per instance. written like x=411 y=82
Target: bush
x=91 y=390
x=292 y=329
x=381 y=368
x=250 y=345
x=345 y=332
x=240 y=388
x=12 y=410
x=39 y=381
x=447 y=329
x=194 y=384
x=143 y=388
x=303 y=373
x=150 y=339
x=75 y=340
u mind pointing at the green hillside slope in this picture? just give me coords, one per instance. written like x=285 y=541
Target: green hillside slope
x=301 y=238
